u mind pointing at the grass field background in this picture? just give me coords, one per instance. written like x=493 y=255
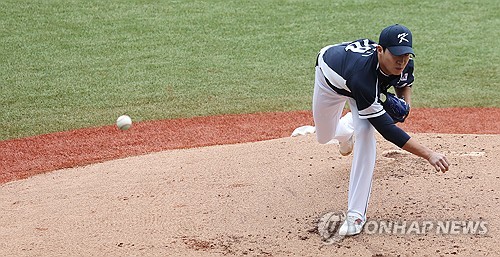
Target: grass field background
x=73 y=64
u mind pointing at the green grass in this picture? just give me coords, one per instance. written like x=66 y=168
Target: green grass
x=72 y=64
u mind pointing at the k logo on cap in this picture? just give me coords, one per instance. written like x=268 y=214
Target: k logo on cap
x=402 y=37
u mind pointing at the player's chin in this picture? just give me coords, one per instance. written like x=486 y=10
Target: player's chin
x=398 y=71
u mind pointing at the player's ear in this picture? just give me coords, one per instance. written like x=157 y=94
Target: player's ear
x=380 y=49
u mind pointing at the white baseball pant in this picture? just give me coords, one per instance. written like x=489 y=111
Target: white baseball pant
x=327 y=110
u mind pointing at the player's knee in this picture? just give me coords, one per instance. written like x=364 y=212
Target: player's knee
x=364 y=129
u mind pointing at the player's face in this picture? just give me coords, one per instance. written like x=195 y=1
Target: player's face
x=392 y=64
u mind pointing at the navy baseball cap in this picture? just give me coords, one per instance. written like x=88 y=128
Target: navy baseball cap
x=398 y=39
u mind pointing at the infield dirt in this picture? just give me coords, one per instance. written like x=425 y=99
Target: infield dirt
x=256 y=198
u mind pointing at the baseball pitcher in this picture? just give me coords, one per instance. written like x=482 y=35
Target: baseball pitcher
x=359 y=73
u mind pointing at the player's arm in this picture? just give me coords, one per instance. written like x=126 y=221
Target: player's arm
x=386 y=127
x=437 y=160
x=404 y=93
x=392 y=133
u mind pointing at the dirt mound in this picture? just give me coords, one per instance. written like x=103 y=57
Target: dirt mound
x=261 y=198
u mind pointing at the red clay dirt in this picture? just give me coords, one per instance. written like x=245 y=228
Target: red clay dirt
x=24 y=157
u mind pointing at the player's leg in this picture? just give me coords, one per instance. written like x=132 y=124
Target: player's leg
x=327 y=108
x=345 y=128
x=363 y=164
x=345 y=134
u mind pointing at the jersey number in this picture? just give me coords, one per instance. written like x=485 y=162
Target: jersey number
x=360 y=47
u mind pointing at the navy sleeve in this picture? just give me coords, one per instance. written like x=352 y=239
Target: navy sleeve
x=386 y=127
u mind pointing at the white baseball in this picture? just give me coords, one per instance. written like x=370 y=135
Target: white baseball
x=124 y=122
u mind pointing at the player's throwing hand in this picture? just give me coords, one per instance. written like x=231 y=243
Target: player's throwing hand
x=438 y=161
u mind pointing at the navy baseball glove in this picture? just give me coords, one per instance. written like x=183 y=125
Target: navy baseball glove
x=397 y=108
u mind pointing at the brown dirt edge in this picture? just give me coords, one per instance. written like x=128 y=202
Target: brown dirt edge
x=25 y=157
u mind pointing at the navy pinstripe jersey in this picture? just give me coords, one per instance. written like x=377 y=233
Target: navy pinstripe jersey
x=352 y=69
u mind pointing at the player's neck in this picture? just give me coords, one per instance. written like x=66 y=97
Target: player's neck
x=382 y=71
